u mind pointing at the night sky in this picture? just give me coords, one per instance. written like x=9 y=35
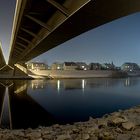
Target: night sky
x=117 y=41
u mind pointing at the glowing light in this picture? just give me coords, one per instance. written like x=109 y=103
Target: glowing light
x=58 y=68
x=85 y=68
x=58 y=85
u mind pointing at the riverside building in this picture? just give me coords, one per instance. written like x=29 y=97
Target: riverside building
x=130 y=67
x=36 y=66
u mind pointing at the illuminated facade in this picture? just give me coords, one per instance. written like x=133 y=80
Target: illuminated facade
x=36 y=66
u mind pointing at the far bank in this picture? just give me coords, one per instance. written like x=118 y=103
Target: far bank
x=78 y=73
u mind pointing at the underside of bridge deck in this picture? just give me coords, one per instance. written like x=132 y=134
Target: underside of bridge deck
x=40 y=25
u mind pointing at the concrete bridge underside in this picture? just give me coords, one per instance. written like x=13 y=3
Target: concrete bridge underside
x=2 y=60
x=40 y=25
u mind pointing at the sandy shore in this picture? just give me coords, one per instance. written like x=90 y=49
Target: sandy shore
x=121 y=125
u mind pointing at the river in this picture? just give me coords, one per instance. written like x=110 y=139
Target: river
x=33 y=103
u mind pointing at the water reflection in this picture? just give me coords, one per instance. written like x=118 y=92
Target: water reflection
x=101 y=96
x=83 y=84
x=5 y=120
x=129 y=82
x=5 y=115
x=58 y=85
x=73 y=84
x=32 y=103
x=21 y=88
x=38 y=84
x=18 y=110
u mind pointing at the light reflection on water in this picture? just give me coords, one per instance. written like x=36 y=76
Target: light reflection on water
x=32 y=103
x=58 y=85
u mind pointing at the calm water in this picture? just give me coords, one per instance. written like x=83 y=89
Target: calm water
x=33 y=103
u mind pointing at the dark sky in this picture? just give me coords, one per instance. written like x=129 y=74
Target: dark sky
x=118 y=41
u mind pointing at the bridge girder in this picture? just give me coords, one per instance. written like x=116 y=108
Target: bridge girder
x=2 y=60
x=40 y=25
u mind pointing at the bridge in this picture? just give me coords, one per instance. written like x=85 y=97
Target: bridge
x=2 y=60
x=40 y=25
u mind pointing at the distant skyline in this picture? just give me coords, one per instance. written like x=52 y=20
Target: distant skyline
x=117 y=41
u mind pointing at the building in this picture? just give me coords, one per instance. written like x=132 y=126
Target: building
x=69 y=66
x=130 y=67
x=108 y=66
x=36 y=66
x=56 y=66
x=95 y=66
x=82 y=66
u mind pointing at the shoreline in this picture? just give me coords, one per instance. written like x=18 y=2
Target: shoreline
x=68 y=74
x=121 y=125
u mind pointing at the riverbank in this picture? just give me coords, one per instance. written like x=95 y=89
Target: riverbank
x=121 y=125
